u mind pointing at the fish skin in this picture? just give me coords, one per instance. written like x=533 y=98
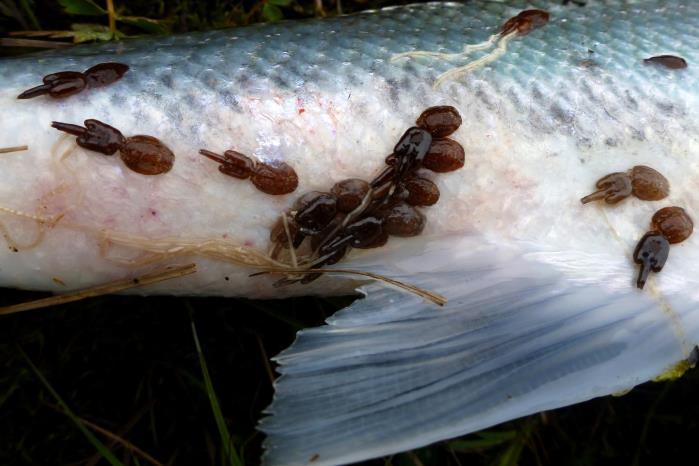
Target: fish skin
x=532 y=119
x=231 y=89
x=566 y=104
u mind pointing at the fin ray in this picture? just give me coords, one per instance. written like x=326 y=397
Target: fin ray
x=523 y=331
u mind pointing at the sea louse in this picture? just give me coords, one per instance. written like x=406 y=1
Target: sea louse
x=146 y=155
x=651 y=254
x=275 y=177
x=525 y=22
x=643 y=182
x=66 y=83
x=672 y=62
x=520 y=25
x=669 y=225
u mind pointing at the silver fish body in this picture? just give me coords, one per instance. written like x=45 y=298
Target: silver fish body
x=542 y=308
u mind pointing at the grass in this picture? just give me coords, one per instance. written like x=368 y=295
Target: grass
x=230 y=455
x=130 y=375
x=99 y=446
x=132 y=367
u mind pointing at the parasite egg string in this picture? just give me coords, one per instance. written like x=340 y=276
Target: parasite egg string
x=517 y=26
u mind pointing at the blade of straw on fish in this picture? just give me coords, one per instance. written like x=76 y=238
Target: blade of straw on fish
x=519 y=334
x=167 y=273
x=7 y=150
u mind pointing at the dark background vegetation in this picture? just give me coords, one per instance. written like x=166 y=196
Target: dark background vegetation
x=128 y=368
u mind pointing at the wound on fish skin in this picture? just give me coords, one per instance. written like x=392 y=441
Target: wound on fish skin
x=67 y=83
x=651 y=254
x=668 y=61
x=143 y=154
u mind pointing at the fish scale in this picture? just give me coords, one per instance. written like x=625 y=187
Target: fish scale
x=542 y=310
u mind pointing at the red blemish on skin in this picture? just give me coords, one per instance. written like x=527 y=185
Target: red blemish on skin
x=109 y=222
x=153 y=212
x=525 y=22
x=301 y=110
x=519 y=181
x=249 y=243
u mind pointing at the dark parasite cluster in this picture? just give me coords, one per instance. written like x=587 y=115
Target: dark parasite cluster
x=669 y=225
x=322 y=227
x=143 y=154
x=66 y=83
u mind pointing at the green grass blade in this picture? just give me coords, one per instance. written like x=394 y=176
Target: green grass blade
x=99 y=446
x=229 y=451
x=482 y=440
x=511 y=456
x=82 y=7
x=29 y=11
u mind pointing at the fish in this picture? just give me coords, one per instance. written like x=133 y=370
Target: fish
x=541 y=305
